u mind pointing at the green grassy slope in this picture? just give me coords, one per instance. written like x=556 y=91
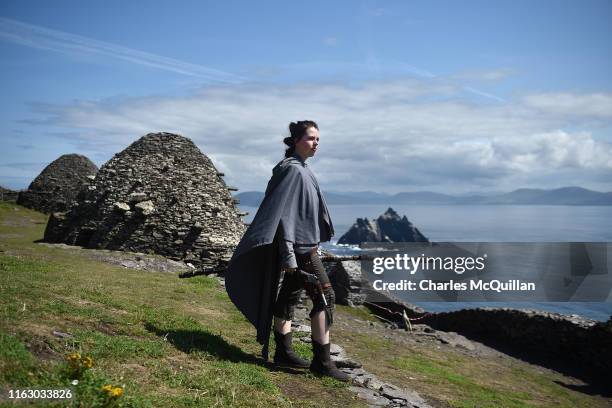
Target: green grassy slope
x=172 y=342
x=165 y=341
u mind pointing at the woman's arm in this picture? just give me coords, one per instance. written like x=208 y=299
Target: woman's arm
x=287 y=254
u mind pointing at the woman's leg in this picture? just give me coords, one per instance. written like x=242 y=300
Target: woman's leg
x=321 y=318
x=281 y=325
x=286 y=301
x=284 y=309
x=320 y=330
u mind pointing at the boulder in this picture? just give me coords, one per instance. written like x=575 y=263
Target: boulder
x=345 y=277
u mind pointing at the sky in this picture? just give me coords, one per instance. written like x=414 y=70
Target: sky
x=444 y=96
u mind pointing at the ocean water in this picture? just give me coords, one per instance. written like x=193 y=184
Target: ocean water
x=492 y=223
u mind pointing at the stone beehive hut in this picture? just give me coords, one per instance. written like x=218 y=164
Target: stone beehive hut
x=56 y=187
x=160 y=195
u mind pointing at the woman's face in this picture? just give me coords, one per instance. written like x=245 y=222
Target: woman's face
x=307 y=145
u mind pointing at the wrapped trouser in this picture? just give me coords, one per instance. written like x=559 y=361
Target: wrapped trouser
x=292 y=285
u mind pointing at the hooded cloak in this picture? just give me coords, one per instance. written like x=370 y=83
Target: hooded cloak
x=293 y=209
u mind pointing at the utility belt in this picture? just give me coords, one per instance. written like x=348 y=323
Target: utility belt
x=310 y=262
x=316 y=283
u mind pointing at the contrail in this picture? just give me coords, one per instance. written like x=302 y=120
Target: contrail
x=66 y=43
x=481 y=93
x=427 y=74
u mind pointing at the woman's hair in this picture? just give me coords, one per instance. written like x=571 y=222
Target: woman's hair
x=297 y=130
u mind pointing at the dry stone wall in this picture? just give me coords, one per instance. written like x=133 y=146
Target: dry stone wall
x=8 y=194
x=585 y=343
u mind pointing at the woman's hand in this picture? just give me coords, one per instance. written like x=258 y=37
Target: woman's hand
x=288 y=270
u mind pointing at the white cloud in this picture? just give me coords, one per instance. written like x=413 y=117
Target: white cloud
x=384 y=135
x=597 y=105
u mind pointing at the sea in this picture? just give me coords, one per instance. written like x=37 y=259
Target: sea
x=491 y=223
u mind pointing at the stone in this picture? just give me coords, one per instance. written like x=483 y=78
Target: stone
x=372 y=382
x=455 y=340
x=129 y=264
x=137 y=197
x=391 y=391
x=145 y=207
x=410 y=398
x=169 y=186
x=56 y=188
x=347 y=282
x=58 y=333
x=345 y=362
x=371 y=397
x=122 y=207
x=353 y=372
x=335 y=350
x=301 y=328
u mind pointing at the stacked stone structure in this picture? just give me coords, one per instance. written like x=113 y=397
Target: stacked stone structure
x=160 y=195
x=568 y=340
x=348 y=284
x=56 y=187
x=8 y=194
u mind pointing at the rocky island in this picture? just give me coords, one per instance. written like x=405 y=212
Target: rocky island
x=389 y=227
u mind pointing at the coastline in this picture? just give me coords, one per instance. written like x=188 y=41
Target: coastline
x=594 y=311
x=571 y=344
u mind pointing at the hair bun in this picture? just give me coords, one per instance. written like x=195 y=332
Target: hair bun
x=289 y=141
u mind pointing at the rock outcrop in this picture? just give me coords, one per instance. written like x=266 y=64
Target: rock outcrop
x=56 y=187
x=349 y=286
x=389 y=227
x=160 y=195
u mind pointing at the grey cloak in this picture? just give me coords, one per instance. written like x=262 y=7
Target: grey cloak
x=293 y=209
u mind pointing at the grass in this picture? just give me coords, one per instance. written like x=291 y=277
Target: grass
x=469 y=391
x=181 y=343
x=165 y=341
x=472 y=384
x=450 y=377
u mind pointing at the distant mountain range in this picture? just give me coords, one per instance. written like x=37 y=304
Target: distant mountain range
x=522 y=196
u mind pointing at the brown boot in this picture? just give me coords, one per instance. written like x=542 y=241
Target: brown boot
x=322 y=363
x=285 y=356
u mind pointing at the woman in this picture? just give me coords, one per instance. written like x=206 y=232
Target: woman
x=283 y=239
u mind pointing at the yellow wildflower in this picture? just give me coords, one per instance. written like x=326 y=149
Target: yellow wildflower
x=72 y=357
x=107 y=388
x=117 y=392
x=87 y=362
